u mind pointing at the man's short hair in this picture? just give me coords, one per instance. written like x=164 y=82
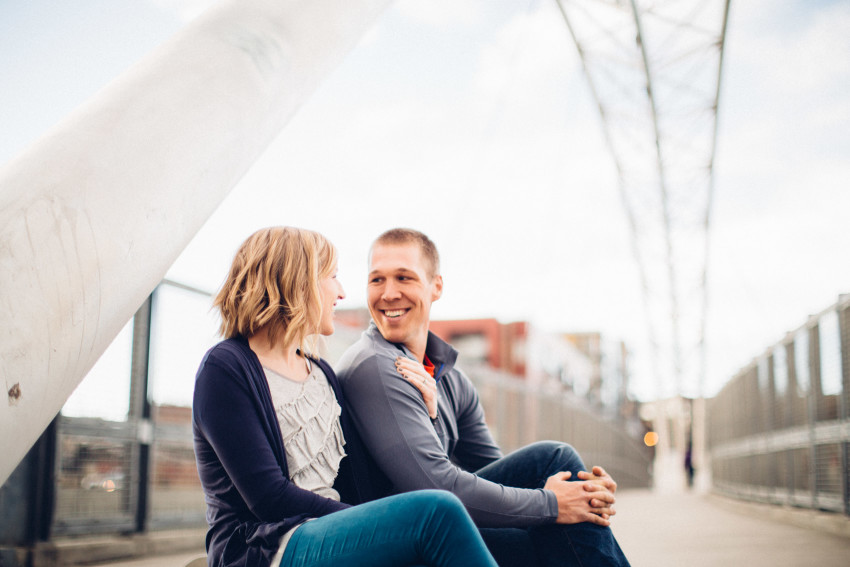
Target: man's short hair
x=274 y=282
x=396 y=236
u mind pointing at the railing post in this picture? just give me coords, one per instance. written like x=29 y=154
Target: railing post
x=844 y=399
x=814 y=396
x=140 y=411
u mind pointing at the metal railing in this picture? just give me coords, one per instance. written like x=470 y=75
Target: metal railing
x=779 y=431
x=518 y=414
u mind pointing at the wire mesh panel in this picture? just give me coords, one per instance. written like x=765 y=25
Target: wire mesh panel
x=117 y=470
x=95 y=479
x=175 y=495
x=784 y=476
x=722 y=412
x=96 y=473
x=772 y=480
x=558 y=416
x=586 y=431
x=781 y=416
x=531 y=424
x=829 y=394
x=844 y=325
x=183 y=328
x=800 y=378
x=511 y=419
x=761 y=477
x=719 y=467
x=549 y=416
x=765 y=395
x=568 y=426
x=779 y=430
x=751 y=416
x=635 y=465
x=801 y=460
x=488 y=394
x=828 y=477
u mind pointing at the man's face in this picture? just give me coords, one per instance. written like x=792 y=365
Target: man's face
x=400 y=294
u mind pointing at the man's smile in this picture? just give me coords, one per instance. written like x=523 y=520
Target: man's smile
x=394 y=313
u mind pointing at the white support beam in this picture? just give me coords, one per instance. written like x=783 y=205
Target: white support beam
x=93 y=214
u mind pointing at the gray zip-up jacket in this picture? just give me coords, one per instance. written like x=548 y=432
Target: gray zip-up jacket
x=416 y=453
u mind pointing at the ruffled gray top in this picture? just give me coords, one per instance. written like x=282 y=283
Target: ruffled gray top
x=308 y=415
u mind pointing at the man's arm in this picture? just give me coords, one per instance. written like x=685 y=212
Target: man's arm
x=393 y=422
x=474 y=446
x=577 y=501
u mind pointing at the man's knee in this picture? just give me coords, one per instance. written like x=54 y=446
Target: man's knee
x=563 y=456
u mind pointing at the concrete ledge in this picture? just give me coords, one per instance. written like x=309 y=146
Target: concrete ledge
x=833 y=523
x=92 y=550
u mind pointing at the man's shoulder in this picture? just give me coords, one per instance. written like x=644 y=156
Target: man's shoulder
x=367 y=354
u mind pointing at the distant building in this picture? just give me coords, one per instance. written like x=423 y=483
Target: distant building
x=488 y=342
x=609 y=379
x=583 y=363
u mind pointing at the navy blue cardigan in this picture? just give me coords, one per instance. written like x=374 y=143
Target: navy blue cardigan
x=241 y=462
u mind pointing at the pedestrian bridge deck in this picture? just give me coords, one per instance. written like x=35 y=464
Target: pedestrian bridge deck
x=687 y=529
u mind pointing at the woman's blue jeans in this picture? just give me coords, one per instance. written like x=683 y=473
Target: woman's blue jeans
x=426 y=527
x=582 y=544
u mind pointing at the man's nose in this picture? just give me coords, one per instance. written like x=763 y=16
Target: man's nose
x=391 y=291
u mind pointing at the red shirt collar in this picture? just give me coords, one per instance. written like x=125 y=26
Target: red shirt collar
x=429 y=366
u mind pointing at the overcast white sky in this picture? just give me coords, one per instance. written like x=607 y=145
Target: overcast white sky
x=471 y=120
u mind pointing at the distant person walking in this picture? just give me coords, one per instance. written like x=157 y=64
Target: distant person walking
x=689 y=465
x=275 y=448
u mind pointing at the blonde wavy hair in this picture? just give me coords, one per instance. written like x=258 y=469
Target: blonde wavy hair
x=274 y=283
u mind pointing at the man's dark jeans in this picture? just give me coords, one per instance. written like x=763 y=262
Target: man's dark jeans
x=585 y=544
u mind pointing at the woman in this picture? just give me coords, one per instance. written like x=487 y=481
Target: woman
x=271 y=431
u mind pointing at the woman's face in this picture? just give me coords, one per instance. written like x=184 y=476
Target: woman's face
x=332 y=292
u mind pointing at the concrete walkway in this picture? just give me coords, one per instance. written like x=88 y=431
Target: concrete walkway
x=685 y=529
x=674 y=530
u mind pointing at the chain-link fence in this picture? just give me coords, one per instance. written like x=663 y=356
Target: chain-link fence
x=779 y=430
x=124 y=454
x=518 y=414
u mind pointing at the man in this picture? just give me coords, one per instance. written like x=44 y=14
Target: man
x=421 y=421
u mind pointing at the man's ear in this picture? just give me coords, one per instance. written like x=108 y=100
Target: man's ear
x=438 y=287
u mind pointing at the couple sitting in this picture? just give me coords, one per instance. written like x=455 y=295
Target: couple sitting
x=300 y=467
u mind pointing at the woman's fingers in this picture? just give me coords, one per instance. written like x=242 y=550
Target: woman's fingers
x=416 y=374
